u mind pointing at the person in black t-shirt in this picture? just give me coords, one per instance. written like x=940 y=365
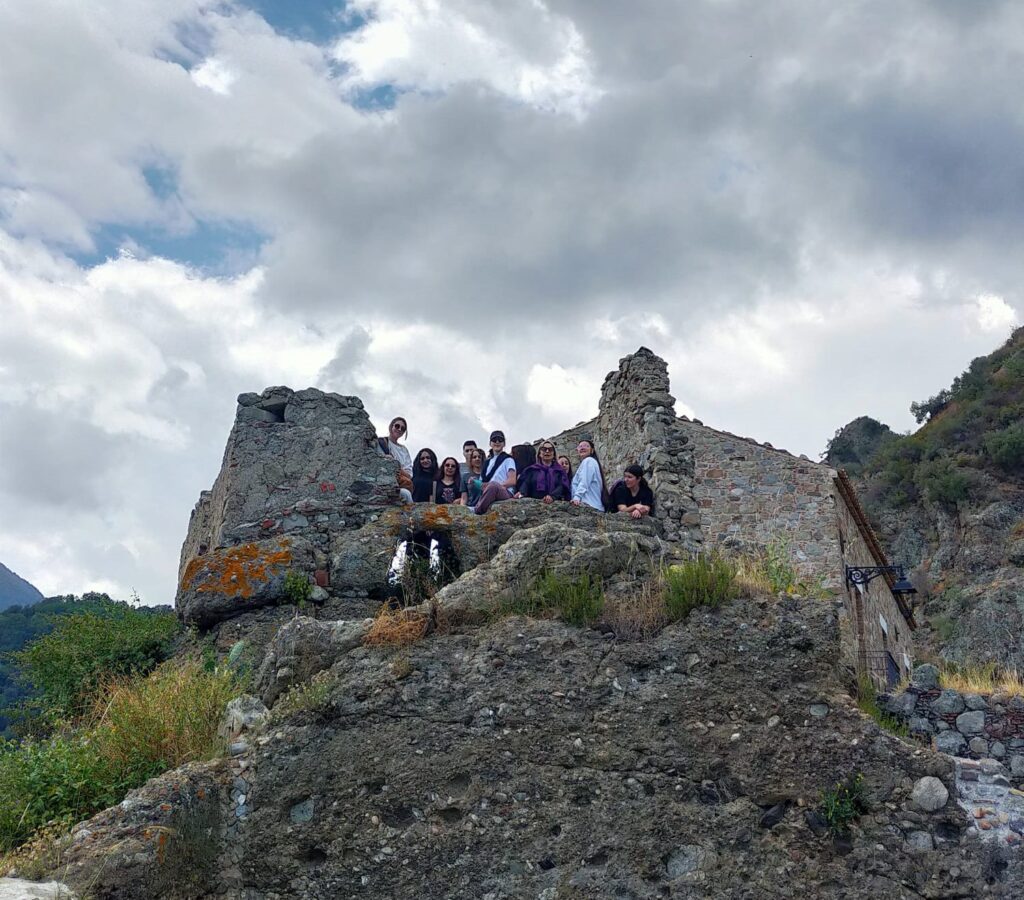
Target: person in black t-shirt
x=633 y=494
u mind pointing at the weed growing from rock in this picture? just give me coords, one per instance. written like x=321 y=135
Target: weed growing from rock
x=313 y=696
x=705 y=580
x=297 y=588
x=867 y=703
x=843 y=803
x=576 y=600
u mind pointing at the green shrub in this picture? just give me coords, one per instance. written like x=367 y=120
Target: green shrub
x=704 y=580
x=577 y=601
x=867 y=702
x=297 y=587
x=1006 y=448
x=68 y=664
x=843 y=803
x=137 y=728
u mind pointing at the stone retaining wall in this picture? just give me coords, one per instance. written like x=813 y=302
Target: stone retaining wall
x=975 y=726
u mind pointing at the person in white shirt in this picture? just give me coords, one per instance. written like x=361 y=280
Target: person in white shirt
x=499 y=475
x=588 y=483
x=390 y=447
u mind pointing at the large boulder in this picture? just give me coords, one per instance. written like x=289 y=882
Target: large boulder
x=361 y=559
x=302 y=648
x=223 y=583
x=562 y=549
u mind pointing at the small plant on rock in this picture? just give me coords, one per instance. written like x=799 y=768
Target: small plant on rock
x=843 y=803
x=705 y=580
x=297 y=588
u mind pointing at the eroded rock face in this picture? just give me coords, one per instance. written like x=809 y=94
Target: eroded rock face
x=532 y=759
x=559 y=548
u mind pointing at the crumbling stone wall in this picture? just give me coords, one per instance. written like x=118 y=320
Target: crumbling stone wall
x=978 y=726
x=636 y=423
x=750 y=494
x=299 y=463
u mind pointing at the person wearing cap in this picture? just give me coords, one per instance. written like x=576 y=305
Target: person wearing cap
x=499 y=476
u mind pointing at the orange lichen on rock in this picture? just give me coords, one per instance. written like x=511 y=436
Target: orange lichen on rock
x=235 y=571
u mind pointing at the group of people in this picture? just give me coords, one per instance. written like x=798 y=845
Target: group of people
x=540 y=473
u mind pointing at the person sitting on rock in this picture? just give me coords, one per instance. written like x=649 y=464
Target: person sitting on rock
x=633 y=494
x=468 y=448
x=545 y=480
x=473 y=483
x=424 y=475
x=588 y=485
x=499 y=475
x=448 y=483
x=566 y=464
x=390 y=447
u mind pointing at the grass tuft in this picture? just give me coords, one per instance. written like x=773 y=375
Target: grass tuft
x=396 y=628
x=705 y=580
x=984 y=679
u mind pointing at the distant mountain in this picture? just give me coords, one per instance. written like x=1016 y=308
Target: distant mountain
x=15 y=590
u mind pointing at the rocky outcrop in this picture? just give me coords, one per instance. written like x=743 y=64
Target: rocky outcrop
x=531 y=759
x=163 y=840
x=615 y=556
x=304 y=464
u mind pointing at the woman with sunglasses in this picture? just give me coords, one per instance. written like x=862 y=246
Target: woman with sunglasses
x=499 y=475
x=473 y=483
x=545 y=480
x=448 y=486
x=390 y=447
x=588 y=483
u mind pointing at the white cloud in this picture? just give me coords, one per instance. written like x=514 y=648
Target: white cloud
x=215 y=75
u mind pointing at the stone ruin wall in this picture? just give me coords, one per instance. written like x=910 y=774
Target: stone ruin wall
x=750 y=495
x=301 y=464
x=876 y=623
x=636 y=423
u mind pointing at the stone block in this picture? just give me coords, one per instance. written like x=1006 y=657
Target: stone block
x=925 y=677
x=948 y=703
x=951 y=742
x=971 y=722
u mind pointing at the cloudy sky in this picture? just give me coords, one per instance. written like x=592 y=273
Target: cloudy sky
x=467 y=211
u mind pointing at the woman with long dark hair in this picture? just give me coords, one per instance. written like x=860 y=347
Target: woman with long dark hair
x=448 y=483
x=633 y=494
x=588 y=483
x=473 y=483
x=545 y=480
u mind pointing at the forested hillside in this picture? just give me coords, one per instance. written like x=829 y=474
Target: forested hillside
x=948 y=500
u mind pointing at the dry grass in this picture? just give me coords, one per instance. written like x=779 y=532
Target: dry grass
x=397 y=628
x=640 y=616
x=165 y=720
x=752 y=579
x=987 y=679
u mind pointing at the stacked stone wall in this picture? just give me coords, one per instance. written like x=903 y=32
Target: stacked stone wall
x=881 y=644
x=750 y=495
x=976 y=726
x=636 y=423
